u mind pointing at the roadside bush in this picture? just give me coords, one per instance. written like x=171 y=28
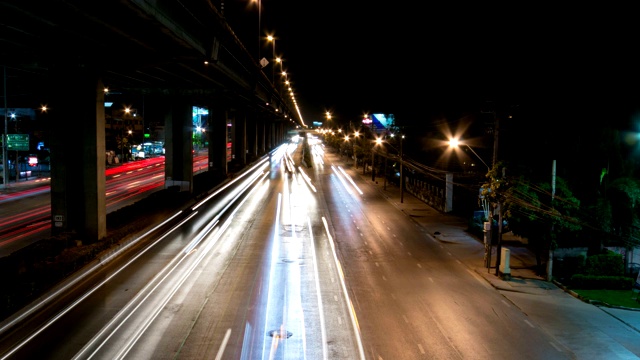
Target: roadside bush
x=607 y=264
x=592 y=282
x=564 y=268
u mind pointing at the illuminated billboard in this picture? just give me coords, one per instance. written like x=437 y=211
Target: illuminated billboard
x=382 y=121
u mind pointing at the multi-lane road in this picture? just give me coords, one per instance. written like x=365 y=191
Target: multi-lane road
x=285 y=262
x=25 y=211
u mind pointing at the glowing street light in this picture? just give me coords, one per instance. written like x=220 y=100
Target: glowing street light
x=273 y=65
x=455 y=143
x=259 y=26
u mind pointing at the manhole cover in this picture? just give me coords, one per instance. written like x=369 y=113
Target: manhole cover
x=280 y=334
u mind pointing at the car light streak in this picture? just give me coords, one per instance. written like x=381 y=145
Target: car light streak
x=350 y=179
x=23 y=232
x=139 y=300
x=215 y=220
x=72 y=283
x=193 y=243
x=184 y=276
x=223 y=345
x=323 y=330
x=26 y=193
x=256 y=167
x=352 y=312
x=278 y=153
x=236 y=195
x=347 y=187
x=274 y=254
x=307 y=179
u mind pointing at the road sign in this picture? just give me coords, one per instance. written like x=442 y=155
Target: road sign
x=18 y=142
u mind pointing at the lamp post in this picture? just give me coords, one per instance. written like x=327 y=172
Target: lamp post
x=454 y=143
x=379 y=141
x=5 y=177
x=401 y=176
x=355 y=158
x=259 y=26
x=273 y=58
x=373 y=172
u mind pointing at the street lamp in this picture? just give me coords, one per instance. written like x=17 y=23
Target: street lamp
x=355 y=157
x=259 y=26
x=455 y=143
x=273 y=58
x=401 y=176
x=379 y=141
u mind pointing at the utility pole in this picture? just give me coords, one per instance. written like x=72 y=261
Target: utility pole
x=401 y=176
x=5 y=145
x=553 y=195
x=496 y=132
x=373 y=171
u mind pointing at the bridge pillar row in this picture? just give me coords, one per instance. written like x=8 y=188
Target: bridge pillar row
x=219 y=151
x=78 y=155
x=240 y=138
x=252 y=137
x=178 y=144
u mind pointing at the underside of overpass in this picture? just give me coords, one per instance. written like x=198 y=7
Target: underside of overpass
x=63 y=54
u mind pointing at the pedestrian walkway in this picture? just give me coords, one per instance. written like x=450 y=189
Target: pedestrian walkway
x=452 y=229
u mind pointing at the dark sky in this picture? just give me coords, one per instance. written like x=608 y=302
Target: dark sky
x=419 y=61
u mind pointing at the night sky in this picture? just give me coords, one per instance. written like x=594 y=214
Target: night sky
x=559 y=70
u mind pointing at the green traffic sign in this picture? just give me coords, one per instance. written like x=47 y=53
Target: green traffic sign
x=18 y=142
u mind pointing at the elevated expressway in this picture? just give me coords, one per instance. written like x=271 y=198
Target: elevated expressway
x=64 y=53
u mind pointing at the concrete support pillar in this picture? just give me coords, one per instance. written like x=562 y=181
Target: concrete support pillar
x=78 y=160
x=240 y=138
x=270 y=134
x=219 y=146
x=252 y=137
x=178 y=144
x=448 y=198
x=261 y=136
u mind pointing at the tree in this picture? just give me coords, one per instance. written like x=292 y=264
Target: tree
x=534 y=211
x=545 y=216
x=622 y=218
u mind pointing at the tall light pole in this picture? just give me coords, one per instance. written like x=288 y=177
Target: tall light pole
x=373 y=172
x=273 y=58
x=355 y=158
x=5 y=178
x=259 y=26
x=401 y=176
x=454 y=143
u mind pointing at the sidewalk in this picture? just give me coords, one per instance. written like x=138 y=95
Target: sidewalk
x=559 y=311
x=468 y=247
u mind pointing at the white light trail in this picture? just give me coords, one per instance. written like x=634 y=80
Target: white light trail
x=350 y=179
x=323 y=330
x=307 y=179
x=274 y=254
x=352 y=312
x=77 y=280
